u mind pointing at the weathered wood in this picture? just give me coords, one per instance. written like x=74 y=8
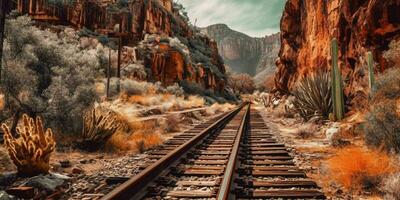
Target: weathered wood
x=198 y=183
x=202 y=172
x=191 y=194
x=284 y=183
x=278 y=173
x=285 y=194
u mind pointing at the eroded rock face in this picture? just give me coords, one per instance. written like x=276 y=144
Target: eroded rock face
x=307 y=27
x=132 y=22
x=245 y=54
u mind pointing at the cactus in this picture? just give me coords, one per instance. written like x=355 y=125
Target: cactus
x=31 y=151
x=337 y=84
x=98 y=126
x=313 y=96
x=370 y=60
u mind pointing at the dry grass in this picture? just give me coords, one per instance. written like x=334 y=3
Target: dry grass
x=358 y=169
x=306 y=131
x=391 y=187
x=218 y=108
x=167 y=102
x=138 y=141
x=171 y=123
x=2 y=103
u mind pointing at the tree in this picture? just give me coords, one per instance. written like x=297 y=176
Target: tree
x=241 y=83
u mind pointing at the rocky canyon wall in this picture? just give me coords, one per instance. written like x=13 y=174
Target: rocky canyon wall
x=307 y=27
x=134 y=21
x=245 y=54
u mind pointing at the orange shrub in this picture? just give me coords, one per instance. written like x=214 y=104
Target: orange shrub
x=356 y=168
x=143 y=141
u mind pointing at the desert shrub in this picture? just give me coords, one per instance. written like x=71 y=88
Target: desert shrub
x=391 y=187
x=313 y=96
x=268 y=84
x=132 y=87
x=145 y=135
x=392 y=55
x=191 y=88
x=134 y=71
x=241 y=83
x=358 y=169
x=382 y=126
x=48 y=74
x=31 y=151
x=1 y=102
x=99 y=124
x=171 y=123
x=175 y=90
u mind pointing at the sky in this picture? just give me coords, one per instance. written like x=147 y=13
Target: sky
x=255 y=18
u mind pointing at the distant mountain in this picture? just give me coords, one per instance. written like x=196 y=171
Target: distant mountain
x=245 y=54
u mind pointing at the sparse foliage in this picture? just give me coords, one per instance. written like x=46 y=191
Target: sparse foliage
x=241 y=83
x=390 y=187
x=358 y=169
x=98 y=126
x=392 y=55
x=382 y=125
x=31 y=151
x=313 y=96
x=49 y=74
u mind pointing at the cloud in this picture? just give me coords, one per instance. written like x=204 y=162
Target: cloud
x=254 y=17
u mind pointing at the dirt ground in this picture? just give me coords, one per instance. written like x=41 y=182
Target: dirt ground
x=311 y=154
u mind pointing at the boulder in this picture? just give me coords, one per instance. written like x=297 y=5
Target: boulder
x=48 y=182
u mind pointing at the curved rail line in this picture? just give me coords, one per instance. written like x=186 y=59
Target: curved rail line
x=233 y=156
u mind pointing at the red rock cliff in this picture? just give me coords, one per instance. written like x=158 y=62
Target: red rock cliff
x=307 y=26
x=137 y=19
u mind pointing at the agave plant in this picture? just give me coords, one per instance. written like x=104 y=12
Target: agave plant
x=313 y=96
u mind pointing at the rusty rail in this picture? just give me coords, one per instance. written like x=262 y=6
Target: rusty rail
x=227 y=181
x=135 y=188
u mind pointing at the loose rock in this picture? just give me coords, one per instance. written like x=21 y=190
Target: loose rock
x=49 y=182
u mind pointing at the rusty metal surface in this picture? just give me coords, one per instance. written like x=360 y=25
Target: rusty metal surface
x=135 y=188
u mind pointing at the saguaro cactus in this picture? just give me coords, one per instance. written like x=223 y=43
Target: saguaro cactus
x=337 y=85
x=370 y=60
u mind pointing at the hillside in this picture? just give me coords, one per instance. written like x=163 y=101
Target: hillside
x=245 y=54
x=171 y=50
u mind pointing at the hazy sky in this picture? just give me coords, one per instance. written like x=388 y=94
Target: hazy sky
x=254 y=17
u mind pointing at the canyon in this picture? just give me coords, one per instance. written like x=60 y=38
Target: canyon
x=308 y=26
x=131 y=23
x=245 y=54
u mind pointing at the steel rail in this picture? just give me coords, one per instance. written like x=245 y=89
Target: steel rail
x=224 y=192
x=135 y=188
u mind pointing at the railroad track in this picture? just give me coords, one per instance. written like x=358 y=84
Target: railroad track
x=233 y=156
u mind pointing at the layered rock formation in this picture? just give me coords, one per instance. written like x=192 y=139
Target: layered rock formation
x=132 y=22
x=307 y=27
x=245 y=54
